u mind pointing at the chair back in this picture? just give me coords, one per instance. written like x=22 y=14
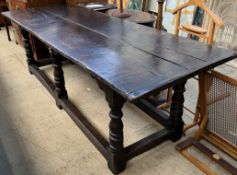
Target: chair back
x=206 y=34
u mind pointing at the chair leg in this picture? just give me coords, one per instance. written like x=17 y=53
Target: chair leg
x=197 y=118
x=7 y=29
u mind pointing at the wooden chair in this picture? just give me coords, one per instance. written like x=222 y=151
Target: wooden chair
x=3 y=7
x=216 y=114
x=195 y=30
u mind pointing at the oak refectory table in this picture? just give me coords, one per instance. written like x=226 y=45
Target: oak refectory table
x=128 y=61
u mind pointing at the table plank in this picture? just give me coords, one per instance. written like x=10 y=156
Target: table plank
x=126 y=64
x=139 y=36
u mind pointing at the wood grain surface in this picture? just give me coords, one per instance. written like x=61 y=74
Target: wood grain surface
x=132 y=59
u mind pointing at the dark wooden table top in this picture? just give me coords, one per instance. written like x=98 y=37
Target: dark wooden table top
x=136 y=16
x=132 y=59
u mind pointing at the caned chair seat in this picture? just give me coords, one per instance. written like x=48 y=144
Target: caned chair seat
x=195 y=29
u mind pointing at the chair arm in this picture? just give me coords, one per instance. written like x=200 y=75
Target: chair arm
x=216 y=19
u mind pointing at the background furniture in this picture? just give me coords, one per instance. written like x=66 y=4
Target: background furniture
x=98 y=6
x=76 y=2
x=215 y=114
x=3 y=20
x=138 y=17
x=196 y=30
x=169 y=18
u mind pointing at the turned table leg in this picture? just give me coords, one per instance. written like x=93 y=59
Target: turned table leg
x=28 y=49
x=60 y=90
x=176 y=110
x=116 y=152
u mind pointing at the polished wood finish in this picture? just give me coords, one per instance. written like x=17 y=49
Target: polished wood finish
x=126 y=64
x=38 y=48
x=194 y=30
x=172 y=53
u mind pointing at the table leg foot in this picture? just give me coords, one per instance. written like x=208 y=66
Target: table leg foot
x=116 y=152
x=116 y=163
x=176 y=111
x=60 y=90
x=58 y=104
